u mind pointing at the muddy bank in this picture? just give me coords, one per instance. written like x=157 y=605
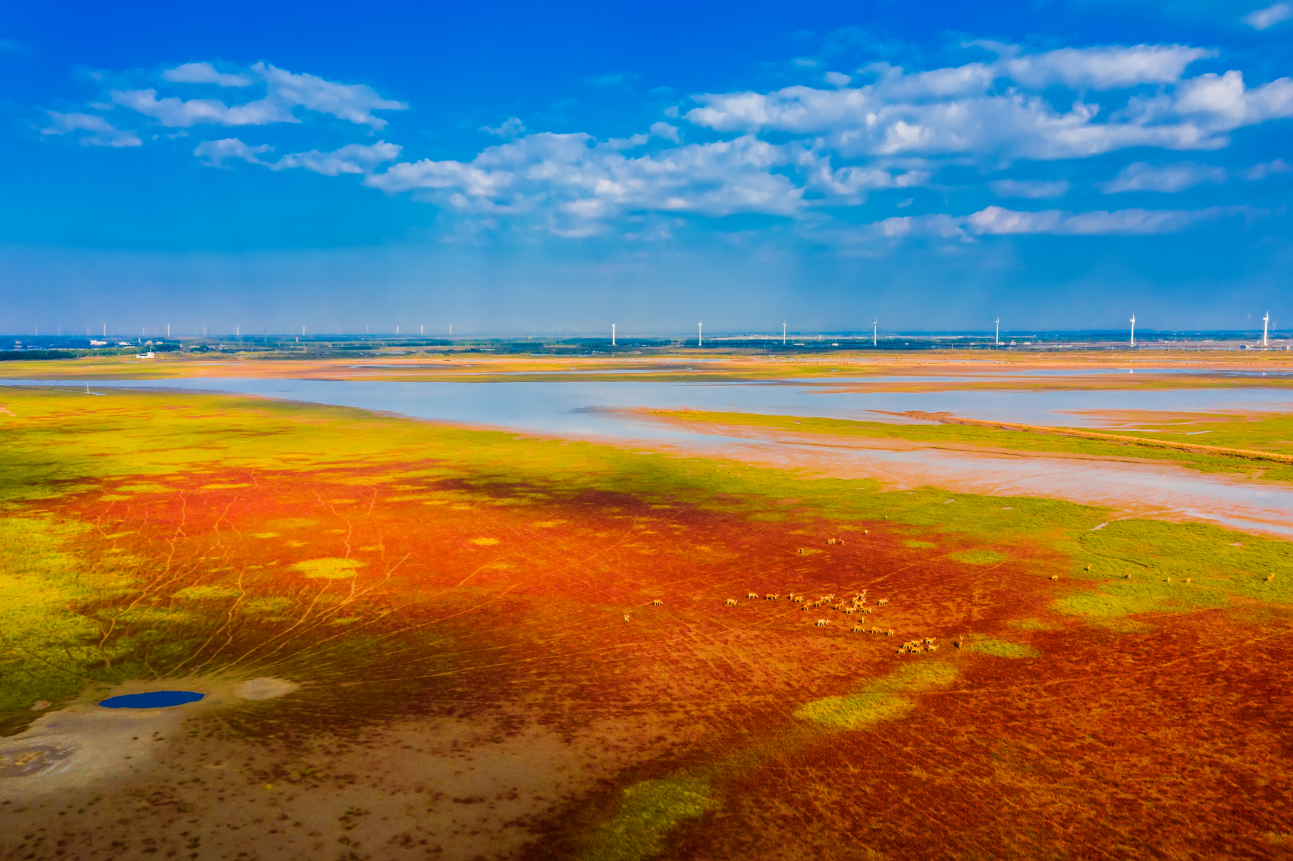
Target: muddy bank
x=1131 y=485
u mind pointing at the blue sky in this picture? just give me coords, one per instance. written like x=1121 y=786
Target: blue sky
x=523 y=168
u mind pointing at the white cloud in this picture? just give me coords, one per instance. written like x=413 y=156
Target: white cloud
x=666 y=131
x=1035 y=189
x=174 y=112
x=508 y=129
x=284 y=92
x=216 y=153
x=1271 y=168
x=901 y=227
x=100 y=131
x=204 y=73
x=1103 y=68
x=1223 y=102
x=973 y=109
x=996 y=221
x=353 y=158
x=573 y=179
x=353 y=102
x=1268 y=17
x=1171 y=178
x=837 y=79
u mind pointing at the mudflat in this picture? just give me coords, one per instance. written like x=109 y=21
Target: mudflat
x=418 y=640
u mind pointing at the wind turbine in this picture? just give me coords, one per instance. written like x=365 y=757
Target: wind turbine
x=1133 y=330
x=700 y=333
x=1266 y=322
x=612 y=334
x=875 y=332
x=783 y=333
x=998 y=331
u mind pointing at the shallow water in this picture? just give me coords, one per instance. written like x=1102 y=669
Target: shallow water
x=597 y=409
x=152 y=700
x=593 y=408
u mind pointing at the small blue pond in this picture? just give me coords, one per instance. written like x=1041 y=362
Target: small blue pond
x=152 y=700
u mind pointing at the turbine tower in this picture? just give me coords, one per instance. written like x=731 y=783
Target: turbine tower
x=875 y=332
x=1266 y=322
x=998 y=331
x=612 y=334
x=1133 y=330
x=783 y=333
x=700 y=332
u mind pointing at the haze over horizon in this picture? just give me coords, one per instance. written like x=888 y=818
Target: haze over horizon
x=515 y=169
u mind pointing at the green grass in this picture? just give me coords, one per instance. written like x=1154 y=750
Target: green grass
x=647 y=812
x=1002 y=649
x=979 y=557
x=879 y=701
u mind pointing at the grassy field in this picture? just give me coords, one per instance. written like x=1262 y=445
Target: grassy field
x=1117 y=691
x=1260 y=435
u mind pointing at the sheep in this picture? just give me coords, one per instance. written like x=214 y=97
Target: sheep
x=731 y=602
x=822 y=623
x=657 y=603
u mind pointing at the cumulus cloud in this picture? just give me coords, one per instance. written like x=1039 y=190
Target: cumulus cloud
x=997 y=108
x=97 y=130
x=1171 y=178
x=666 y=131
x=1034 y=189
x=575 y=180
x=1268 y=17
x=1102 y=68
x=508 y=129
x=837 y=79
x=285 y=92
x=1223 y=102
x=352 y=158
x=216 y=153
x=204 y=73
